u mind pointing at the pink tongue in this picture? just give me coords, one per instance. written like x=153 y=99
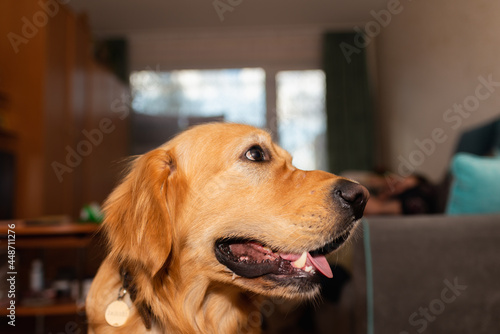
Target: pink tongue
x=319 y=262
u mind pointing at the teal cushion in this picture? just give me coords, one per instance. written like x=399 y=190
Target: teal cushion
x=476 y=185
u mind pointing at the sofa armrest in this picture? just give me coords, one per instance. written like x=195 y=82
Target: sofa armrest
x=436 y=273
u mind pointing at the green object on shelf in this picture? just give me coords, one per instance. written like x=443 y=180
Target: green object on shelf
x=91 y=213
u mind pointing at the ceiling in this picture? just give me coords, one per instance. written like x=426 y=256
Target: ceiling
x=129 y=16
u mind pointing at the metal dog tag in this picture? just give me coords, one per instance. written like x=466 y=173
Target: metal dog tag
x=117 y=312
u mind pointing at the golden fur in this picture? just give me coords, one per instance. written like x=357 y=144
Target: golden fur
x=162 y=222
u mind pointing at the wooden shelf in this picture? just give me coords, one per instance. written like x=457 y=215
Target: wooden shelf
x=25 y=229
x=55 y=309
x=46 y=243
x=58 y=236
x=63 y=235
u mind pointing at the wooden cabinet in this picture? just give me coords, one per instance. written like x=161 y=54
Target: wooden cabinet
x=64 y=126
x=61 y=114
x=76 y=244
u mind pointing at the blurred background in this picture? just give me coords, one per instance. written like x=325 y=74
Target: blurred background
x=344 y=86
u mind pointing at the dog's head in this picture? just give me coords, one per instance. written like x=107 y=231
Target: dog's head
x=222 y=202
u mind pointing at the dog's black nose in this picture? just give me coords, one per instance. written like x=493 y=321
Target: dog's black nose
x=351 y=196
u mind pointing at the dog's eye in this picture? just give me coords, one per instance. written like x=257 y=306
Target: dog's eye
x=255 y=153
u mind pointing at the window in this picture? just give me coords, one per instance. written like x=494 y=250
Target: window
x=302 y=118
x=239 y=95
x=236 y=94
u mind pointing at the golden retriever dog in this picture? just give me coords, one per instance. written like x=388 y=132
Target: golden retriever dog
x=207 y=225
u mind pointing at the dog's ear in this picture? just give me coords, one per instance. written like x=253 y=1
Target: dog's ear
x=138 y=220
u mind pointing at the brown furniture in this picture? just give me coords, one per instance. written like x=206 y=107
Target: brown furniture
x=73 y=245
x=54 y=96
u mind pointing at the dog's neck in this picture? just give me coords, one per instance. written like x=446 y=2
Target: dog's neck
x=195 y=306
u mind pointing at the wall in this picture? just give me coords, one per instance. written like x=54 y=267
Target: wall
x=225 y=48
x=430 y=61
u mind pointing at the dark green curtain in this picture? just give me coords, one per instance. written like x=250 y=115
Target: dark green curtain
x=350 y=127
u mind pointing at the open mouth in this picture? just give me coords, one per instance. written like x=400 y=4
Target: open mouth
x=250 y=259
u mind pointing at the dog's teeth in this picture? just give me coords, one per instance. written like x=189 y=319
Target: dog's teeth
x=308 y=269
x=234 y=276
x=301 y=262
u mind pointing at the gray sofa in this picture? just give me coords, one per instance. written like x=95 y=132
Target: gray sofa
x=421 y=274
x=431 y=274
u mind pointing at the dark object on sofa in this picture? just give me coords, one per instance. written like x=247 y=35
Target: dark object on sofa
x=481 y=140
x=432 y=274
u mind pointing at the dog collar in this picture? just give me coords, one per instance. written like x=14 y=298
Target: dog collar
x=143 y=309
